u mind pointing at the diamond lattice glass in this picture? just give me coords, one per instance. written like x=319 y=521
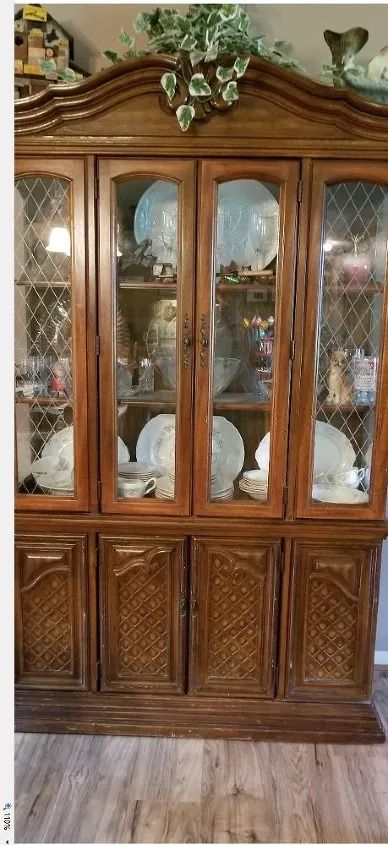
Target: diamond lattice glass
x=43 y=337
x=353 y=273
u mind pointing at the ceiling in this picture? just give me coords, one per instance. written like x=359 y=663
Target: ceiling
x=95 y=27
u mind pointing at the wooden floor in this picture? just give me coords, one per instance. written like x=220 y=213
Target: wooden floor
x=124 y=789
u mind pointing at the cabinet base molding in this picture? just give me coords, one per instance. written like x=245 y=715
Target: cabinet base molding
x=111 y=713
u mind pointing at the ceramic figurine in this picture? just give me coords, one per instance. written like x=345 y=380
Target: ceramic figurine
x=343 y=47
x=377 y=91
x=338 y=383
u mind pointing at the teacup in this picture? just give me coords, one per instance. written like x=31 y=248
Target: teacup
x=133 y=488
x=348 y=478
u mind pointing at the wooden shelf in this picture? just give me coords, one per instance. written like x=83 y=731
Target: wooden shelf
x=126 y=284
x=253 y=288
x=355 y=290
x=157 y=399
x=240 y=402
x=41 y=283
x=55 y=401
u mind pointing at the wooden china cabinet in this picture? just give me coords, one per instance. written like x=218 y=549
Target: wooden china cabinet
x=201 y=382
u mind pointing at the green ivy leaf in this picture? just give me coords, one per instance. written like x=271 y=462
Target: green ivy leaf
x=196 y=56
x=168 y=83
x=185 y=115
x=240 y=66
x=224 y=74
x=112 y=56
x=188 y=43
x=126 y=39
x=198 y=86
x=211 y=53
x=230 y=93
x=228 y=11
x=142 y=22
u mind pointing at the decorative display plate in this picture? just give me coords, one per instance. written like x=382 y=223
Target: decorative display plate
x=227 y=449
x=156 y=442
x=60 y=447
x=333 y=452
x=247 y=222
x=156 y=445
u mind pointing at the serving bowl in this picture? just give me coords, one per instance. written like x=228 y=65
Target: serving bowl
x=225 y=370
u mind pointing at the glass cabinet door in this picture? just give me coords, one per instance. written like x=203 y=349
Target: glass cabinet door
x=343 y=459
x=50 y=327
x=247 y=234
x=146 y=284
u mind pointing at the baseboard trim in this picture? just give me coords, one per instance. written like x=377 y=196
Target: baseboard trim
x=118 y=714
x=381 y=658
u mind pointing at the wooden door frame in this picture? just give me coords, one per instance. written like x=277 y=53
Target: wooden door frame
x=284 y=173
x=74 y=171
x=325 y=173
x=181 y=173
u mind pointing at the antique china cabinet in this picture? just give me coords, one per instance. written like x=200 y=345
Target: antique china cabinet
x=201 y=382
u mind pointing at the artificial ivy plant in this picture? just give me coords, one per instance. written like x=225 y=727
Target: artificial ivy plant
x=213 y=48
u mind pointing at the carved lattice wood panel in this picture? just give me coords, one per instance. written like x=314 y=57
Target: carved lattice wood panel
x=233 y=640
x=333 y=621
x=142 y=633
x=51 y=642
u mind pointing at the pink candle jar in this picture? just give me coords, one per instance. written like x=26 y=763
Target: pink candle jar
x=356 y=266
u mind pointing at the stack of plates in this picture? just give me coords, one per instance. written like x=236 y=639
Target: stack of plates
x=138 y=470
x=255 y=483
x=165 y=487
x=221 y=488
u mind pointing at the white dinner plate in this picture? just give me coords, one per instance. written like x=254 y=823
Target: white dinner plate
x=333 y=451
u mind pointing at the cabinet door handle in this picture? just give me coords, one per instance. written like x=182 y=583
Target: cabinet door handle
x=204 y=341
x=186 y=342
x=194 y=607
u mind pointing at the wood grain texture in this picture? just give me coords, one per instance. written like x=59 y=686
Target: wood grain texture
x=119 y=789
x=274 y=103
x=51 y=611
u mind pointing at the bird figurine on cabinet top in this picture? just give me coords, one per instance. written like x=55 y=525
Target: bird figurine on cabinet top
x=338 y=382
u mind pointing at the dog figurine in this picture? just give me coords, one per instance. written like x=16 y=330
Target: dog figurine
x=338 y=383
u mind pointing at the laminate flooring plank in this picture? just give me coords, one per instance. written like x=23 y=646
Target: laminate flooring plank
x=186 y=783
x=164 y=821
x=235 y=818
x=291 y=788
x=102 y=808
x=231 y=768
x=74 y=788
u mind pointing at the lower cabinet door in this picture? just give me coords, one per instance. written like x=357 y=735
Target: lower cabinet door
x=233 y=618
x=143 y=607
x=332 y=620
x=51 y=612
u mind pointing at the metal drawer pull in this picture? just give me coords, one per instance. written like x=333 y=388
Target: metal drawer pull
x=183 y=605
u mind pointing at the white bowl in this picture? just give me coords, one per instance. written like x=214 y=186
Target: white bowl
x=225 y=370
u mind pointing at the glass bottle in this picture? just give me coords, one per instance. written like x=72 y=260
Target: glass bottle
x=364 y=369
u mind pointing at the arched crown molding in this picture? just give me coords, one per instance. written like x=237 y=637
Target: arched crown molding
x=294 y=93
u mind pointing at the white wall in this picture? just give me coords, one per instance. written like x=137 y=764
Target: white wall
x=95 y=28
